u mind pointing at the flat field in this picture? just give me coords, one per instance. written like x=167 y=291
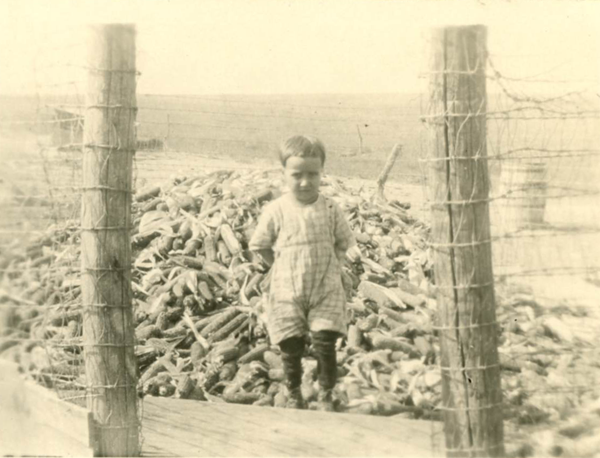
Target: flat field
x=205 y=133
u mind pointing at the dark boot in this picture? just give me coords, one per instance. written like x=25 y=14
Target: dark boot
x=292 y=350
x=295 y=399
x=324 y=347
x=325 y=401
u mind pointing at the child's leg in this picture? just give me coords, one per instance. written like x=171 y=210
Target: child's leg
x=292 y=350
x=324 y=346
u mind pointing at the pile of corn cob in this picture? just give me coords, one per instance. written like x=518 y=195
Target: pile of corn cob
x=198 y=299
x=200 y=322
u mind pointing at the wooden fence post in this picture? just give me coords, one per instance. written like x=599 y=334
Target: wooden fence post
x=387 y=168
x=471 y=393
x=109 y=146
x=166 y=141
x=360 y=141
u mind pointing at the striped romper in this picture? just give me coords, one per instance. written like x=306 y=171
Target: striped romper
x=306 y=292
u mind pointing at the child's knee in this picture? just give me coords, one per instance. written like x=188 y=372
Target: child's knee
x=324 y=341
x=293 y=346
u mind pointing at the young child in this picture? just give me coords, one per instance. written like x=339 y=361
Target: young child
x=304 y=235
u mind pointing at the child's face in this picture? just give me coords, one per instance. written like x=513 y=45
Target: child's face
x=303 y=177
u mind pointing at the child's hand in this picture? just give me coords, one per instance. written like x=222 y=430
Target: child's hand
x=263 y=258
x=354 y=254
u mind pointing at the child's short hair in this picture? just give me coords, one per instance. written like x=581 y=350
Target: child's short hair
x=302 y=146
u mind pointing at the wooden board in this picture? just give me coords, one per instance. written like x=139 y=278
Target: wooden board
x=174 y=427
x=34 y=421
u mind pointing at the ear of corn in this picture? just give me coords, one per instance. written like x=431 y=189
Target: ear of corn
x=155 y=368
x=242 y=397
x=255 y=354
x=354 y=336
x=230 y=239
x=187 y=261
x=185 y=230
x=228 y=371
x=210 y=251
x=222 y=319
x=207 y=204
x=253 y=285
x=176 y=331
x=147 y=332
x=185 y=387
x=151 y=205
x=223 y=253
x=224 y=353
x=147 y=193
x=204 y=291
x=191 y=247
x=230 y=326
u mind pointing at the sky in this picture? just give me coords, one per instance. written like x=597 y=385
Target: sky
x=301 y=46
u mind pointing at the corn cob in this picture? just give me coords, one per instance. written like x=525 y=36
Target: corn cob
x=354 y=336
x=165 y=244
x=155 y=368
x=191 y=247
x=166 y=390
x=381 y=342
x=273 y=360
x=151 y=205
x=205 y=292
x=191 y=306
x=174 y=313
x=185 y=387
x=223 y=254
x=177 y=244
x=244 y=325
x=197 y=353
x=223 y=318
x=207 y=204
x=228 y=371
x=161 y=321
x=242 y=397
x=147 y=332
x=396 y=316
x=147 y=193
x=185 y=230
x=187 y=261
x=228 y=236
x=221 y=333
x=204 y=322
x=224 y=353
x=214 y=268
x=264 y=400
x=211 y=377
x=210 y=251
x=252 y=285
x=218 y=281
x=368 y=323
x=277 y=374
x=255 y=354
x=179 y=330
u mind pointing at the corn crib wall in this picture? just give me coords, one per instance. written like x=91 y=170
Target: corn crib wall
x=542 y=163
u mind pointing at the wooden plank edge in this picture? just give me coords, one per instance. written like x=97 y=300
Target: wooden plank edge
x=43 y=406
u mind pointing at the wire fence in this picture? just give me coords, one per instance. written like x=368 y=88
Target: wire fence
x=542 y=158
x=544 y=204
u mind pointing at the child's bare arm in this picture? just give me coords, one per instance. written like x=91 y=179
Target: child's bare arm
x=344 y=238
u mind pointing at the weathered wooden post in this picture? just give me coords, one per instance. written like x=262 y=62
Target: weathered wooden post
x=109 y=146
x=471 y=394
x=387 y=168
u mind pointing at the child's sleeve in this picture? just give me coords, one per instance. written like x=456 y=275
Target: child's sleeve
x=344 y=238
x=265 y=234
